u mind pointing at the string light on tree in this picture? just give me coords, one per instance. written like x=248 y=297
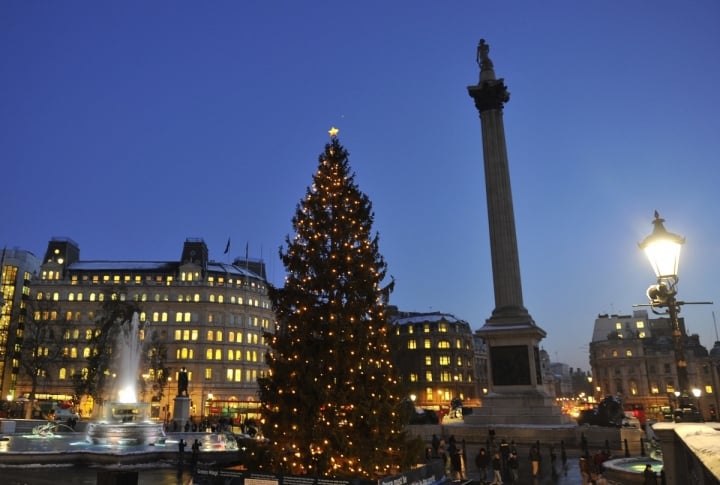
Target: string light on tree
x=332 y=389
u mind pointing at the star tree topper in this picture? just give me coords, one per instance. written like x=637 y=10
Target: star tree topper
x=333 y=132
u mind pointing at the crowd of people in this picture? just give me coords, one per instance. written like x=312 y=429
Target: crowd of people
x=497 y=463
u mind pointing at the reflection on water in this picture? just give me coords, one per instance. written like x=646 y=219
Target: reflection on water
x=87 y=476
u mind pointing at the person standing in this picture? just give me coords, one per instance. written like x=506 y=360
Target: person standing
x=455 y=468
x=512 y=464
x=195 y=452
x=497 y=469
x=535 y=461
x=181 y=451
x=482 y=462
x=435 y=445
x=649 y=476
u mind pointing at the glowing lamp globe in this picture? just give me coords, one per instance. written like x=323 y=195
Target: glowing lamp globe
x=663 y=250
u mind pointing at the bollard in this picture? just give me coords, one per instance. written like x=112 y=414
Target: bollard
x=627 y=450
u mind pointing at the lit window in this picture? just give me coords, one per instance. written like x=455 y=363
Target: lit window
x=640 y=324
x=444 y=360
x=413 y=377
x=428 y=360
x=618 y=326
x=628 y=353
x=427 y=343
x=428 y=376
x=443 y=344
x=443 y=327
x=208 y=373
x=412 y=344
x=426 y=328
x=209 y=354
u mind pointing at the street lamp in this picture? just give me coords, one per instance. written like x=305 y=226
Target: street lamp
x=697 y=392
x=663 y=251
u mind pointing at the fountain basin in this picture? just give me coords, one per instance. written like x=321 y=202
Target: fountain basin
x=630 y=470
x=72 y=449
x=125 y=424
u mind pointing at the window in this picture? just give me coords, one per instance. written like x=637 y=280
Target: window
x=427 y=343
x=443 y=344
x=413 y=377
x=208 y=373
x=618 y=326
x=444 y=360
x=640 y=324
x=428 y=360
x=412 y=344
x=628 y=353
x=428 y=376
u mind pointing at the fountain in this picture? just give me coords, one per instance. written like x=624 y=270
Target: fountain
x=126 y=421
x=124 y=435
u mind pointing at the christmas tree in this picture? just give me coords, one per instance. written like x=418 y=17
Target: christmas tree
x=332 y=399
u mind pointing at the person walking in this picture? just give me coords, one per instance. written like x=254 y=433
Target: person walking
x=482 y=462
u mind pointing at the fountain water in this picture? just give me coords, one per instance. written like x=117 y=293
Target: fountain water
x=126 y=421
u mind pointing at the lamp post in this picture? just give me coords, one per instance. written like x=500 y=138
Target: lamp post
x=663 y=251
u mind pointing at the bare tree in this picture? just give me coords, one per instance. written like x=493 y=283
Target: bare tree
x=44 y=333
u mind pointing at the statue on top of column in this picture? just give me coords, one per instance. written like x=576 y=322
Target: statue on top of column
x=487 y=70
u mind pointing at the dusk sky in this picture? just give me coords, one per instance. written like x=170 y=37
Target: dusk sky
x=129 y=126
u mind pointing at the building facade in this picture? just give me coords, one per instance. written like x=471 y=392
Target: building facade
x=17 y=270
x=435 y=356
x=632 y=356
x=208 y=317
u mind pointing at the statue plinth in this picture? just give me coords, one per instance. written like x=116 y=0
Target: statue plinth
x=181 y=411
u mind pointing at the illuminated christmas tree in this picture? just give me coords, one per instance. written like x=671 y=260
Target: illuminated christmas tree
x=332 y=400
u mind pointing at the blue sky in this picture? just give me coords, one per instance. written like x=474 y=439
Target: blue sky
x=130 y=126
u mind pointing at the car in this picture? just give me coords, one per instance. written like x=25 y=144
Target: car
x=608 y=413
x=424 y=416
x=63 y=415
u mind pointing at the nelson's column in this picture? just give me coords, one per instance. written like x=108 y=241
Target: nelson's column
x=516 y=394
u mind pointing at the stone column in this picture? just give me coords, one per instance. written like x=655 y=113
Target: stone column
x=516 y=393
